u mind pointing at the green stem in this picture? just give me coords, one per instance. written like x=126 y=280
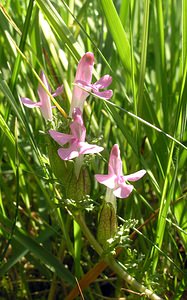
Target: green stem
x=77 y=248
x=112 y=263
x=80 y=220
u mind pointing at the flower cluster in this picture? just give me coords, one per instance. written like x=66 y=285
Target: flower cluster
x=77 y=146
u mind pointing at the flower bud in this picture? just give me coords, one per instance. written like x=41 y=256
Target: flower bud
x=78 y=188
x=107 y=226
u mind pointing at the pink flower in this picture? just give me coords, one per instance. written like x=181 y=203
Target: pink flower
x=115 y=179
x=76 y=139
x=83 y=79
x=44 y=104
x=102 y=83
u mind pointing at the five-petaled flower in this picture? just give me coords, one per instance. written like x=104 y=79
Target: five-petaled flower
x=76 y=139
x=83 y=83
x=44 y=104
x=115 y=179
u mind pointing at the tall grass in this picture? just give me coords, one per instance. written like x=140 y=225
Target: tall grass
x=142 y=45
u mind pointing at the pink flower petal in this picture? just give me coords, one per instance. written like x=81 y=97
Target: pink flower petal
x=104 y=94
x=95 y=89
x=123 y=191
x=103 y=82
x=58 y=91
x=84 y=73
x=78 y=99
x=45 y=81
x=47 y=111
x=115 y=163
x=44 y=98
x=86 y=148
x=77 y=116
x=85 y=68
x=41 y=92
x=29 y=103
x=84 y=85
x=107 y=180
x=60 y=138
x=78 y=129
x=135 y=176
x=68 y=153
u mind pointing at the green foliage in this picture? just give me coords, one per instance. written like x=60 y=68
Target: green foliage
x=143 y=46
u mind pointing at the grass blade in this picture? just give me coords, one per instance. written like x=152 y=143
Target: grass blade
x=118 y=33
